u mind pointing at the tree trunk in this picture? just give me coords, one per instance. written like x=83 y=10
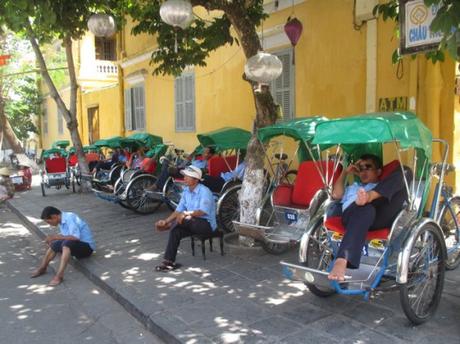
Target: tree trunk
x=70 y=116
x=252 y=189
x=6 y=129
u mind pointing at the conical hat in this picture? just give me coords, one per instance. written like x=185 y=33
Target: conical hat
x=4 y=171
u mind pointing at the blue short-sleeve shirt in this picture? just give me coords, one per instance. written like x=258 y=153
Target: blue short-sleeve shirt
x=200 y=163
x=351 y=191
x=200 y=198
x=73 y=225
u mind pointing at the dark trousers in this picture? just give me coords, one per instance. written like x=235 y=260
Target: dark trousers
x=165 y=172
x=78 y=249
x=186 y=229
x=380 y=213
x=215 y=184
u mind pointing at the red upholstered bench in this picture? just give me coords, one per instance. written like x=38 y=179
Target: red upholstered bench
x=57 y=165
x=335 y=223
x=219 y=164
x=306 y=185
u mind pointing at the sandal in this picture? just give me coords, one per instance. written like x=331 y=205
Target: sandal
x=55 y=281
x=167 y=266
x=38 y=272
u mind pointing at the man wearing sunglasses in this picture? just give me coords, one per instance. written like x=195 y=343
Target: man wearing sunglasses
x=365 y=205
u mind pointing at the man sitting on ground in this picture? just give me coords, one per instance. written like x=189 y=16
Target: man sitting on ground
x=195 y=214
x=367 y=205
x=75 y=240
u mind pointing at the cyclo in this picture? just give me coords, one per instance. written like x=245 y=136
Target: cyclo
x=55 y=172
x=413 y=253
x=291 y=196
x=229 y=143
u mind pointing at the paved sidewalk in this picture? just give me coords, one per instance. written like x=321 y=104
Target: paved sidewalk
x=240 y=297
x=73 y=313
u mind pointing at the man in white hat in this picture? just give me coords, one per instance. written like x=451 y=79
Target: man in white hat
x=6 y=186
x=195 y=214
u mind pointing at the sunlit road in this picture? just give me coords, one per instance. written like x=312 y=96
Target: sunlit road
x=74 y=312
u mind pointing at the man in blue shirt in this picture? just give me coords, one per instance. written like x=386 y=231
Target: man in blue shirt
x=195 y=214
x=366 y=205
x=75 y=239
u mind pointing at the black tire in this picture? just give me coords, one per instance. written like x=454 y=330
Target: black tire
x=172 y=193
x=426 y=272
x=451 y=230
x=43 y=189
x=228 y=208
x=136 y=198
x=318 y=258
x=115 y=173
x=73 y=183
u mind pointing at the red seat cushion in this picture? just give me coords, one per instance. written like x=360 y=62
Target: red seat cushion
x=57 y=165
x=282 y=195
x=309 y=181
x=335 y=224
x=92 y=157
x=389 y=169
x=73 y=159
x=148 y=165
x=219 y=164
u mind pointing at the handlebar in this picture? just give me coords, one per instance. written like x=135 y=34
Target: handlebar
x=437 y=168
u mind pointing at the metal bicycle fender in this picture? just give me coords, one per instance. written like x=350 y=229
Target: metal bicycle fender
x=402 y=268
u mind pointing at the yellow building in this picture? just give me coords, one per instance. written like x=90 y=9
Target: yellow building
x=342 y=66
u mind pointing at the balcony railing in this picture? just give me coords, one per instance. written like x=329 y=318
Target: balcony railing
x=106 y=68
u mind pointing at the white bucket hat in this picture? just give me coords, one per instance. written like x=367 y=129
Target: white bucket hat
x=4 y=171
x=192 y=171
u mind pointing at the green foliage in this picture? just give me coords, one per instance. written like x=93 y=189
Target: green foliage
x=447 y=21
x=23 y=106
x=179 y=48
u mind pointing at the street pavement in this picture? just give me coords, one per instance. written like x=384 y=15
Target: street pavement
x=74 y=312
x=241 y=297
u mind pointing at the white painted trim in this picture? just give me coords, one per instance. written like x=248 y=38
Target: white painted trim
x=274 y=38
x=137 y=59
x=270 y=6
x=136 y=77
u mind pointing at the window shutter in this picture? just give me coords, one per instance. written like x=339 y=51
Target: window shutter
x=179 y=103
x=282 y=89
x=190 y=102
x=139 y=107
x=128 y=113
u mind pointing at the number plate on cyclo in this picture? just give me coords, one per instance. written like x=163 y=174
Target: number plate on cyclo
x=291 y=217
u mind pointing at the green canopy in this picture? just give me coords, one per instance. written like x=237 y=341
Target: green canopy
x=119 y=142
x=48 y=152
x=147 y=139
x=157 y=151
x=61 y=144
x=225 y=138
x=86 y=149
x=298 y=129
x=376 y=129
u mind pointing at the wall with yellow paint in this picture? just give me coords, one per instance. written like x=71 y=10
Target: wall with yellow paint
x=52 y=114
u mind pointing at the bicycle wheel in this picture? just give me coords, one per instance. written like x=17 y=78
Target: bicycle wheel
x=450 y=226
x=228 y=208
x=137 y=199
x=319 y=256
x=421 y=294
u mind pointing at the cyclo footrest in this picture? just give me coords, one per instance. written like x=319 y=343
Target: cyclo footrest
x=302 y=273
x=280 y=234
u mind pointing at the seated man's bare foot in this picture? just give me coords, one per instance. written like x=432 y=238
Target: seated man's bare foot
x=362 y=197
x=38 y=272
x=338 y=271
x=56 y=281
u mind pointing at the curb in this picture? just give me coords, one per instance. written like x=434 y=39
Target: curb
x=143 y=318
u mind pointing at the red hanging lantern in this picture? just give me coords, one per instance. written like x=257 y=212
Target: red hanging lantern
x=293 y=29
x=4 y=59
